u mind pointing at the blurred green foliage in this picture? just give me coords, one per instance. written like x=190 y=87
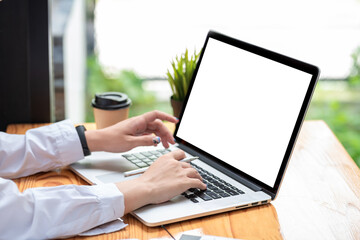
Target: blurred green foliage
x=126 y=81
x=338 y=104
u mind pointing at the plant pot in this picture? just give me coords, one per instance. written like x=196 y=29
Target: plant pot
x=176 y=106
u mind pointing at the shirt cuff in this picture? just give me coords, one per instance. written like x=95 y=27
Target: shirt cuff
x=68 y=143
x=110 y=197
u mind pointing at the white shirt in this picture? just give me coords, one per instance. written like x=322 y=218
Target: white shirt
x=49 y=212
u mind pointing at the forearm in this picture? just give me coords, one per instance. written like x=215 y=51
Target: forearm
x=40 y=149
x=42 y=213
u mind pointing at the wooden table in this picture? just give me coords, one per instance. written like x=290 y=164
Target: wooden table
x=319 y=197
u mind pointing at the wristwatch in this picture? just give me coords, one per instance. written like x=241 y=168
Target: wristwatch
x=81 y=132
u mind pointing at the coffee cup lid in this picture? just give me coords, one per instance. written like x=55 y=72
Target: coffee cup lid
x=111 y=100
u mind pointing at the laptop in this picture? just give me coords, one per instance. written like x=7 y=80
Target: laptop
x=241 y=116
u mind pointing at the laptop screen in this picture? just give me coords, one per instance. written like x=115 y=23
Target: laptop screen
x=242 y=109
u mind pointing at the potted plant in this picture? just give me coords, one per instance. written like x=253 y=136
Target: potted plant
x=179 y=78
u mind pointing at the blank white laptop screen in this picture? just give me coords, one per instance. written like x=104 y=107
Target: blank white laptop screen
x=242 y=109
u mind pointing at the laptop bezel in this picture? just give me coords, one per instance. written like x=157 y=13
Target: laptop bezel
x=291 y=62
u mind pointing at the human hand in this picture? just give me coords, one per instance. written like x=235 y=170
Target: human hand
x=130 y=133
x=166 y=178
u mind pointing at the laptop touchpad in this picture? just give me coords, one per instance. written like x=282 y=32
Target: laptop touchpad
x=111 y=177
x=115 y=165
x=114 y=177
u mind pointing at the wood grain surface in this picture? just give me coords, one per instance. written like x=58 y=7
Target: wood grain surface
x=319 y=197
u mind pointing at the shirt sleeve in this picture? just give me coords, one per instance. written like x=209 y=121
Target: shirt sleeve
x=53 y=212
x=40 y=149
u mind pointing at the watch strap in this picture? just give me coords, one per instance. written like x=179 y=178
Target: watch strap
x=81 y=132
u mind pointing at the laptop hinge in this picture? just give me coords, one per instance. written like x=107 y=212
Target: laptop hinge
x=221 y=168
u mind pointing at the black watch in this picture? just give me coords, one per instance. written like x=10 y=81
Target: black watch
x=81 y=132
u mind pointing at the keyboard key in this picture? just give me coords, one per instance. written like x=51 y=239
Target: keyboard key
x=212 y=187
x=221 y=186
x=130 y=158
x=139 y=156
x=136 y=161
x=153 y=157
x=203 y=196
x=189 y=196
x=196 y=191
x=224 y=194
x=212 y=180
x=218 y=179
x=239 y=191
x=206 y=178
x=232 y=192
x=194 y=200
x=213 y=195
x=206 y=182
x=146 y=154
x=141 y=164
x=218 y=191
x=162 y=151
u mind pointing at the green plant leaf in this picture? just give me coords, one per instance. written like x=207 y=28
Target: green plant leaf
x=182 y=70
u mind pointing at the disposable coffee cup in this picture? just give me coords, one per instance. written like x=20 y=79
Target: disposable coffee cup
x=110 y=108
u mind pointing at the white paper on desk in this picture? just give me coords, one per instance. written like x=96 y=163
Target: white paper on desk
x=109 y=227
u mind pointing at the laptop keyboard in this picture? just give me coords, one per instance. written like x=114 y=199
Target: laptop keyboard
x=145 y=159
x=216 y=187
